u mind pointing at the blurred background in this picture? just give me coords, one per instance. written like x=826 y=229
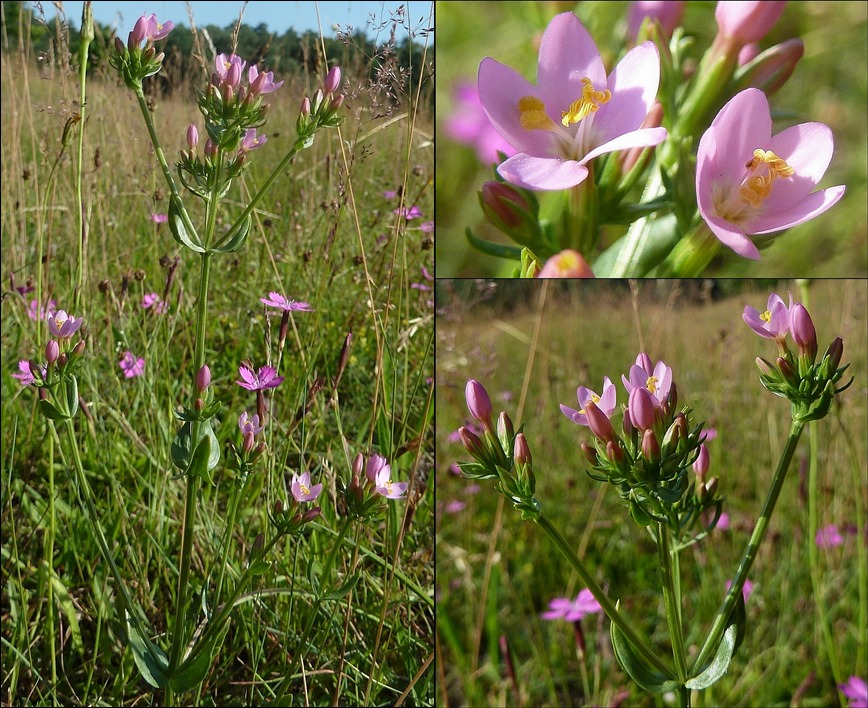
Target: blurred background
x=829 y=85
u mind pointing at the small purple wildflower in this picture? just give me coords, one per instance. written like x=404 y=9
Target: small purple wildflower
x=828 y=536
x=34 y=312
x=302 y=489
x=251 y=140
x=265 y=378
x=132 y=366
x=249 y=425
x=572 y=610
x=856 y=691
x=427 y=227
x=455 y=506
x=282 y=303
x=159 y=218
x=413 y=212
x=152 y=300
x=25 y=375
x=62 y=325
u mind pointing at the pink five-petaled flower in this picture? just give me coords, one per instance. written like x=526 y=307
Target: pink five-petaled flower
x=63 y=326
x=749 y=182
x=156 y=30
x=605 y=402
x=572 y=610
x=263 y=379
x=302 y=489
x=413 y=212
x=132 y=366
x=774 y=323
x=153 y=300
x=34 y=312
x=658 y=380
x=247 y=424
x=261 y=81
x=379 y=472
x=856 y=691
x=828 y=536
x=225 y=65
x=159 y=218
x=251 y=140
x=574 y=113
x=25 y=373
x=281 y=303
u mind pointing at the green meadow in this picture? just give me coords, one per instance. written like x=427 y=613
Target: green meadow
x=531 y=346
x=344 y=613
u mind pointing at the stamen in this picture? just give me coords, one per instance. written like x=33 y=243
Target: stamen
x=651 y=384
x=757 y=187
x=533 y=114
x=587 y=104
x=766 y=316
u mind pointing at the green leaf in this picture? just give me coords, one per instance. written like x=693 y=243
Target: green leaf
x=233 y=240
x=343 y=589
x=637 y=668
x=48 y=409
x=150 y=659
x=260 y=567
x=179 y=230
x=199 y=465
x=72 y=396
x=68 y=609
x=182 y=446
x=195 y=667
x=719 y=664
x=493 y=249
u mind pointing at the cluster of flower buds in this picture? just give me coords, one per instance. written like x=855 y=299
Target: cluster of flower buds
x=133 y=62
x=56 y=378
x=808 y=384
x=501 y=453
x=650 y=460
x=321 y=111
x=250 y=452
x=371 y=483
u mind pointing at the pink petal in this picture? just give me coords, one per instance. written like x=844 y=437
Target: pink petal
x=743 y=125
x=636 y=138
x=811 y=205
x=633 y=84
x=542 y=172
x=567 y=54
x=731 y=236
x=807 y=148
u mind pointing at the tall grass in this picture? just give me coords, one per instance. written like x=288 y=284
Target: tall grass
x=325 y=234
x=531 y=347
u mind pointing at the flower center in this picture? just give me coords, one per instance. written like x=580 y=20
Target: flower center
x=766 y=316
x=533 y=114
x=588 y=103
x=305 y=490
x=651 y=384
x=762 y=170
x=595 y=398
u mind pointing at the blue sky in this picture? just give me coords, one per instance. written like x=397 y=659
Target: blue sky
x=279 y=16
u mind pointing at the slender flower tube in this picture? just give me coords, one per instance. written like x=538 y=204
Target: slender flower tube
x=575 y=112
x=641 y=407
x=749 y=182
x=747 y=22
x=599 y=423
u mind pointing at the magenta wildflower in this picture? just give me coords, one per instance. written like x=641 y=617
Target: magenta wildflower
x=828 y=536
x=568 y=263
x=261 y=82
x=332 y=81
x=249 y=425
x=723 y=521
x=265 y=378
x=157 y=30
x=658 y=381
x=379 y=472
x=774 y=323
x=159 y=218
x=455 y=506
x=153 y=300
x=856 y=691
x=63 y=326
x=746 y=21
x=302 y=489
x=390 y=194
x=478 y=402
x=25 y=373
x=225 y=65
x=251 y=140
x=413 y=212
x=802 y=330
x=700 y=465
x=667 y=12
x=605 y=402
x=192 y=136
x=468 y=124
x=575 y=112
x=35 y=312
x=280 y=302
x=132 y=366
x=572 y=610
x=749 y=182
x=427 y=227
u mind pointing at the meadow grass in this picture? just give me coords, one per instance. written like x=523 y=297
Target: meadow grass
x=829 y=85
x=531 y=347
x=326 y=234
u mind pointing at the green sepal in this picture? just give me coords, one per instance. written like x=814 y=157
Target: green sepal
x=207 y=412
x=475 y=470
x=233 y=240
x=150 y=659
x=179 y=229
x=194 y=669
x=493 y=249
x=637 y=669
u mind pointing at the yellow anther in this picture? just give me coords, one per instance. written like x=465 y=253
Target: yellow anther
x=766 y=316
x=533 y=114
x=651 y=384
x=757 y=186
x=304 y=490
x=587 y=104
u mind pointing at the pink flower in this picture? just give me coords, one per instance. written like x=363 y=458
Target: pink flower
x=455 y=506
x=131 y=366
x=302 y=489
x=34 y=312
x=261 y=82
x=575 y=112
x=249 y=425
x=156 y=30
x=413 y=212
x=478 y=402
x=152 y=300
x=828 y=536
x=332 y=81
x=225 y=64
x=379 y=471
x=192 y=136
x=856 y=691
x=774 y=323
x=668 y=12
x=63 y=326
x=658 y=381
x=749 y=182
x=278 y=301
x=427 y=227
x=390 y=194
x=25 y=373
x=264 y=379
x=566 y=264
x=468 y=124
x=747 y=21
x=572 y=610
x=251 y=140
x=159 y=218
x=605 y=402
x=700 y=465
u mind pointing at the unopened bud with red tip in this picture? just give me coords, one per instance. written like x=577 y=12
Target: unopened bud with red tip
x=140 y=31
x=358 y=465
x=119 y=46
x=509 y=210
x=641 y=408
x=472 y=443
x=478 y=402
x=61 y=361
x=311 y=514
x=614 y=452
x=589 y=452
x=711 y=486
x=835 y=351
x=771 y=69
x=52 y=352
x=599 y=422
x=316 y=101
x=278 y=507
x=627 y=424
x=700 y=464
x=672 y=399
x=671 y=437
x=766 y=368
x=521 y=452
x=802 y=329
x=332 y=81
x=747 y=21
x=650 y=447
x=192 y=136
x=258 y=544
x=305 y=107
x=788 y=372
x=210 y=148
x=203 y=378
x=505 y=429
x=248 y=442
x=78 y=349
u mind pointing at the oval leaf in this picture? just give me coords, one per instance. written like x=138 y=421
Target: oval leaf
x=637 y=669
x=199 y=465
x=233 y=240
x=72 y=396
x=719 y=664
x=151 y=661
x=48 y=409
x=179 y=230
x=195 y=667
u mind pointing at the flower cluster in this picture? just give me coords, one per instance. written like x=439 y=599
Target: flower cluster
x=134 y=62
x=808 y=384
x=371 y=482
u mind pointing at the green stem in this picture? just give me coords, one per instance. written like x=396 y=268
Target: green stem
x=691 y=254
x=629 y=260
x=49 y=561
x=85 y=38
x=671 y=600
x=750 y=552
x=581 y=228
x=230 y=525
x=608 y=606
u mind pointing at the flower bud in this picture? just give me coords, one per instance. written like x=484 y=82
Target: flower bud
x=566 y=264
x=521 y=453
x=614 y=452
x=802 y=329
x=700 y=465
x=748 y=53
x=667 y=12
x=336 y=102
x=317 y=101
x=672 y=398
x=766 y=368
x=248 y=441
x=503 y=205
x=226 y=93
x=771 y=69
x=210 y=148
x=258 y=544
x=332 y=81
x=683 y=427
x=641 y=408
x=627 y=424
x=478 y=402
x=278 y=507
x=505 y=428
x=589 y=452
x=358 y=465
x=119 y=46
x=61 y=361
x=472 y=443
x=747 y=21
x=233 y=75
x=305 y=107
x=203 y=378
x=192 y=136
x=140 y=31
x=52 y=352
x=599 y=422
x=650 y=447
x=311 y=514
x=78 y=349
x=789 y=373
x=711 y=486
x=835 y=352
